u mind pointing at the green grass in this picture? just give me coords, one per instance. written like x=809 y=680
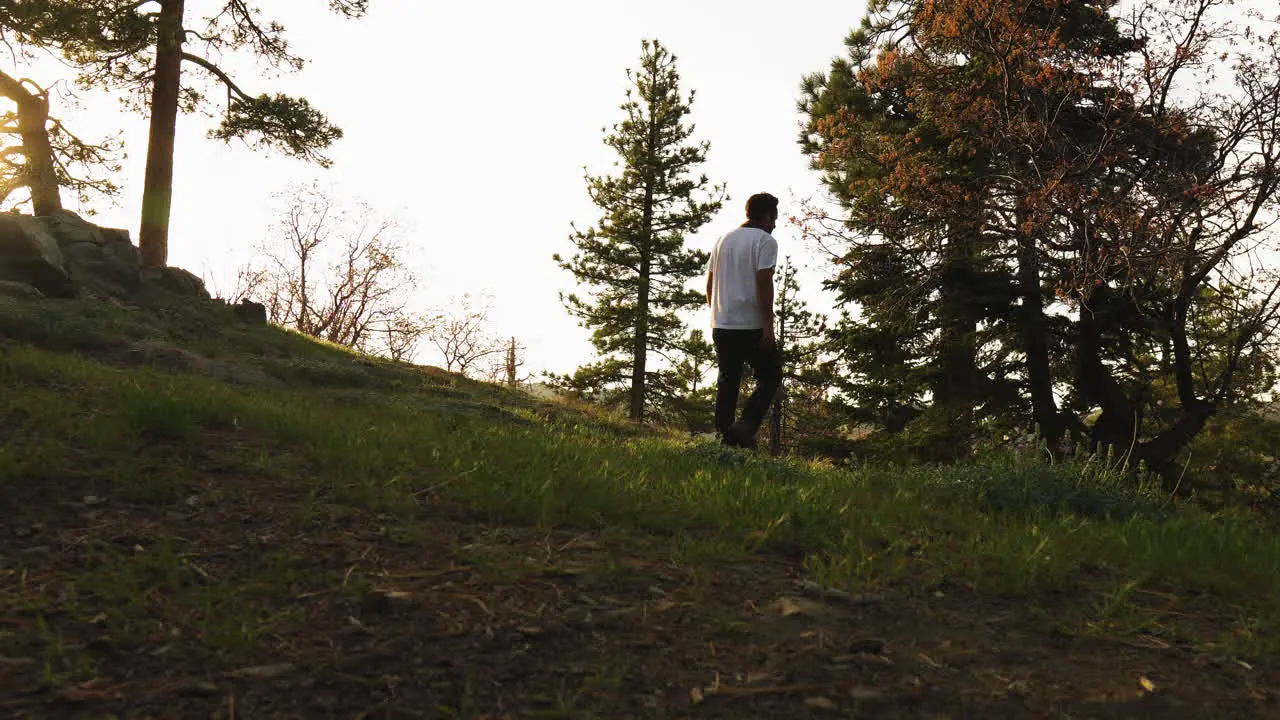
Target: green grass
x=386 y=438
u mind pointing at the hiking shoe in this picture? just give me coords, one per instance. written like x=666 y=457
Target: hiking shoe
x=739 y=435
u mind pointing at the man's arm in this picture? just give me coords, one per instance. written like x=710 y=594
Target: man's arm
x=710 y=284
x=764 y=291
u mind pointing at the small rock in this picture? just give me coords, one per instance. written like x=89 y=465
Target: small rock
x=788 y=606
x=265 y=672
x=813 y=589
x=19 y=290
x=605 y=619
x=193 y=500
x=875 y=646
x=15 y=662
x=198 y=688
x=383 y=601
x=866 y=693
x=821 y=703
x=250 y=312
x=93 y=500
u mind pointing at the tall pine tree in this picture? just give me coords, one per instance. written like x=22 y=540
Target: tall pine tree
x=634 y=260
x=1113 y=203
x=801 y=336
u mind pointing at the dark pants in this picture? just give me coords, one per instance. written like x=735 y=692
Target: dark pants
x=733 y=349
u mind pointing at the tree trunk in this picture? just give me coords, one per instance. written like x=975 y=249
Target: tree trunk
x=954 y=385
x=1117 y=427
x=40 y=172
x=157 y=195
x=641 y=349
x=1161 y=452
x=1035 y=344
x=512 y=366
x=775 y=418
x=775 y=422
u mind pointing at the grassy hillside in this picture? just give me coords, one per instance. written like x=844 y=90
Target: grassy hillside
x=202 y=518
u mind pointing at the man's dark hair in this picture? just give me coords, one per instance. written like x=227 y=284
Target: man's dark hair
x=761 y=206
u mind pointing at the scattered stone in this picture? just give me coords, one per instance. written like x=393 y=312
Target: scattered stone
x=19 y=290
x=30 y=255
x=253 y=313
x=865 y=694
x=15 y=662
x=788 y=606
x=813 y=589
x=614 y=618
x=198 y=688
x=821 y=703
x=265 y=672
x=169 y=357
x=874 y=646
x=380 y=601
x=93 y=500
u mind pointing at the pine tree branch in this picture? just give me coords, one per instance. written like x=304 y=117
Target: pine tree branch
x=217 y=72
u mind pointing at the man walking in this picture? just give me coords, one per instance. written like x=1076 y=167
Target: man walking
x=740 y=293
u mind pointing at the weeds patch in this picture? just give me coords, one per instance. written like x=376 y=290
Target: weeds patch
x=1005 y=524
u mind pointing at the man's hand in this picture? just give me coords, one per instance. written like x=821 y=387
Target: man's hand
x=769 y=341
x=764 y=295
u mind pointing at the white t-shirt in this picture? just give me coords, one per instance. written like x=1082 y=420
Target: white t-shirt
x=734 y=262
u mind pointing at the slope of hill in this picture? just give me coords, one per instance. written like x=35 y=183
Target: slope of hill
x=208 y=518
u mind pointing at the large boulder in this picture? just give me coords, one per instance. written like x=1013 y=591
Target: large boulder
x=253 y=313
x=103 y=262
x=19 y=291
x=176 y=281
x=29 y=254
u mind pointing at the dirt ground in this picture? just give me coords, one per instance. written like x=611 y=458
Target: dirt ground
x=446 y=616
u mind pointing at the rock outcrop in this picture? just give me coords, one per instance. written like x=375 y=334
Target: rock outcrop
x=29 y=254
x=63 y=255
x=103 y=262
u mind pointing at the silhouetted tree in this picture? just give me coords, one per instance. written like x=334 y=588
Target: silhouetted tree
x=801 y=337
x=634 y=259
x=1118 y=201
x=334 y=271
x=141 y=50
x=463 y=335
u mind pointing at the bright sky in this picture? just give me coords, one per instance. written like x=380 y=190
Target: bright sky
x=471 y=122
